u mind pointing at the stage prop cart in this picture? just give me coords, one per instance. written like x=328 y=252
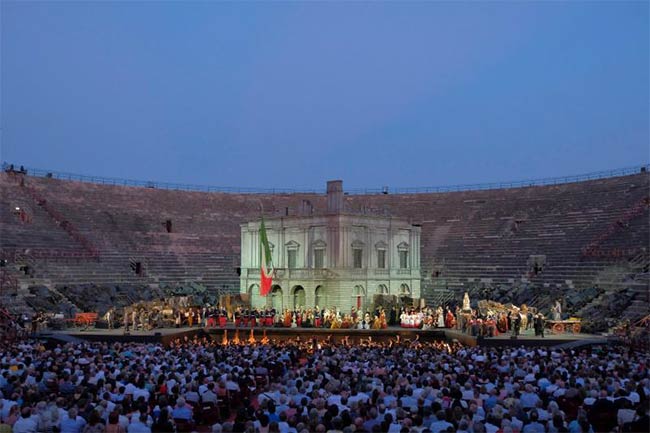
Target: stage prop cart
x=572 y=325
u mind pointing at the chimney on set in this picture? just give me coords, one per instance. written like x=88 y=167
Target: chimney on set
x=334 y=196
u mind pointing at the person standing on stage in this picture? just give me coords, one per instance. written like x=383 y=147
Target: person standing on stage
x=516 y=324
x=557 y=310
x=109 y=318
x=539 y=325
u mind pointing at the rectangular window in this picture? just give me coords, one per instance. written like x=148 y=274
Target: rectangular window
x=291 y=259
x=319 y=258
x=381 y=259
x=357 y=256
x=403 y=259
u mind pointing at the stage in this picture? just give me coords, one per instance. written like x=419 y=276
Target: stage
x=353 y=336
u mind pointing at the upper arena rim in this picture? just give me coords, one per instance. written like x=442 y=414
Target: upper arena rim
x=548 y=181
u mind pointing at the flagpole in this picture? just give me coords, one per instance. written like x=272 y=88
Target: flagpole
x=265 y=256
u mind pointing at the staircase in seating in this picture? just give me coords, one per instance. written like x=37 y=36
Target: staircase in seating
x=88 y=249
x=593 y=248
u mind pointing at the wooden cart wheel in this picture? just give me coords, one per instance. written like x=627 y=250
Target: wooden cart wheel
x=576 y=328
x=558 y=328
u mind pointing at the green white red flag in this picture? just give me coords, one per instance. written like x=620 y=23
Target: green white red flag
x=266 y=262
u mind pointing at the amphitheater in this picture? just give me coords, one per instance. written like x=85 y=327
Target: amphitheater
x=89 y=243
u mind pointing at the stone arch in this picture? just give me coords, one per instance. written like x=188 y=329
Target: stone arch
x=404 y=289
x=382 y=289
x=252 y=289
x=320 y=297
x=359 y=294
x=277 y=300
x=299 y=297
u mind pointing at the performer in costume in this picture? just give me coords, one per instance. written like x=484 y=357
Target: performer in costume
x=466 y=306
x=556 y=310
x=441 y=317
x=450 y=322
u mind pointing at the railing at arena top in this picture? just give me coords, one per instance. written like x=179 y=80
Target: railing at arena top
x=354 y=191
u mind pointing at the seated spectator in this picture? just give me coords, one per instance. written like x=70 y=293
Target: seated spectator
x=113 y=425
x=139 y=425
x=73 y=423
x=181 y=410
x=163 y=424
x=95 y=424
x=209 y=395
x=26 y=423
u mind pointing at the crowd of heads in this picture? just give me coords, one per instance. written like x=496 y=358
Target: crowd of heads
x=320 y=386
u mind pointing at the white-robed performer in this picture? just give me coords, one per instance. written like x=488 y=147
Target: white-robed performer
x=556 y=310
x=466 y=304
x=109 y=318
x=441 y=317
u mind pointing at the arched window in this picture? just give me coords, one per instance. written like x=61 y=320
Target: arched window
x=359 y=294
x=320 y=298
x=276 y=298
x=298 y=297
x=253 y=289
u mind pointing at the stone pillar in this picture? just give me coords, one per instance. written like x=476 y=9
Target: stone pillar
x=310 y=294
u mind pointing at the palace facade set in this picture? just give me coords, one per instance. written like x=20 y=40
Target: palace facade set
x=336 y=260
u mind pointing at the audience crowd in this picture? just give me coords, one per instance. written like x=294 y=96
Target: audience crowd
x=310 y=386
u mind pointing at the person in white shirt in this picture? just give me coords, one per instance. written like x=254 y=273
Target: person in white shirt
x=123 y=420
x=72 y=423
x=6 y=406
x=209 y=396
x=231 y=385
x=468 y=392
x=26 y=423
x=441 y=423
x=139 y=425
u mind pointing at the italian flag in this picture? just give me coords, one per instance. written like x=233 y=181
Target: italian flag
x=266 y=262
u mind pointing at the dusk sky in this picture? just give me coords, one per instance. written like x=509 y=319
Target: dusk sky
x=291 y=94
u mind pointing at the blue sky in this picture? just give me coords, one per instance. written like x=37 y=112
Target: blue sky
x=290 y=94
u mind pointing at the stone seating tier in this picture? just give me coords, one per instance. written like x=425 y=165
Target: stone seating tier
x=469 y=236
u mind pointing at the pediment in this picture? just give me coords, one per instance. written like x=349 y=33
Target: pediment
x=381 y=245
x=319 y=244
x=292 y=245
x=358 y=244
x=403 y=246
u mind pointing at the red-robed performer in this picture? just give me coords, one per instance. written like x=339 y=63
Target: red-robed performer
x=450 y=320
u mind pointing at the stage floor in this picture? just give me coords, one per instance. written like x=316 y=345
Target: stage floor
x=354 y=336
